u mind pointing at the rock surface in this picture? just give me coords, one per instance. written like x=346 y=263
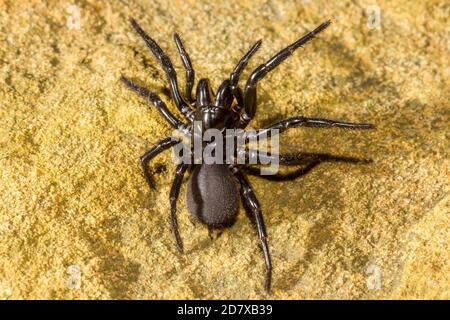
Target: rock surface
x=77 y=219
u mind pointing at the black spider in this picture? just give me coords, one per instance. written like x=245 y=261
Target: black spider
x=212 y=195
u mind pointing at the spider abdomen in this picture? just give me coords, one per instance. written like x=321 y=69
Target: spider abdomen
x=212 y=196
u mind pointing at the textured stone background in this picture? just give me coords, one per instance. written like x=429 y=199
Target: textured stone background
x=72 y=193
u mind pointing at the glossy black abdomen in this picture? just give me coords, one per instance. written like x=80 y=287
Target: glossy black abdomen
x=212 y=195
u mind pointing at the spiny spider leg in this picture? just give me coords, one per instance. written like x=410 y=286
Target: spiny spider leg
x=281 y=177
x=168 y=68
x=309 y=160
x=174 y=193
x=301 y=158
x=252 y=206
x=260 y=72
x=155 y=99
x=314 y=123
x=153 y=152
x=295 y=159
x=234 y=77
x=190 y=73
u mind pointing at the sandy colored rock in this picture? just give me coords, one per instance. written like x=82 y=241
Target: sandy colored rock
x=78 y=221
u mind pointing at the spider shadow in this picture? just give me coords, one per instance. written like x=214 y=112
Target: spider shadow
x=306 y=161
x=321 y=232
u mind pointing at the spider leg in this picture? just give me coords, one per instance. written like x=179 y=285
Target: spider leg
x=314 y=123
x=190 y=73
x=168 y=68
x=155 y=99
x=234 y=77
x=252 y=206
x=174 y=193
x=260 y=72
x=153 y=152
x=278 y=176
x=308 y=160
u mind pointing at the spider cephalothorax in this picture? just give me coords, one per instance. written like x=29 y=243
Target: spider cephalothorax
x=214 y=112
x=212 y=191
